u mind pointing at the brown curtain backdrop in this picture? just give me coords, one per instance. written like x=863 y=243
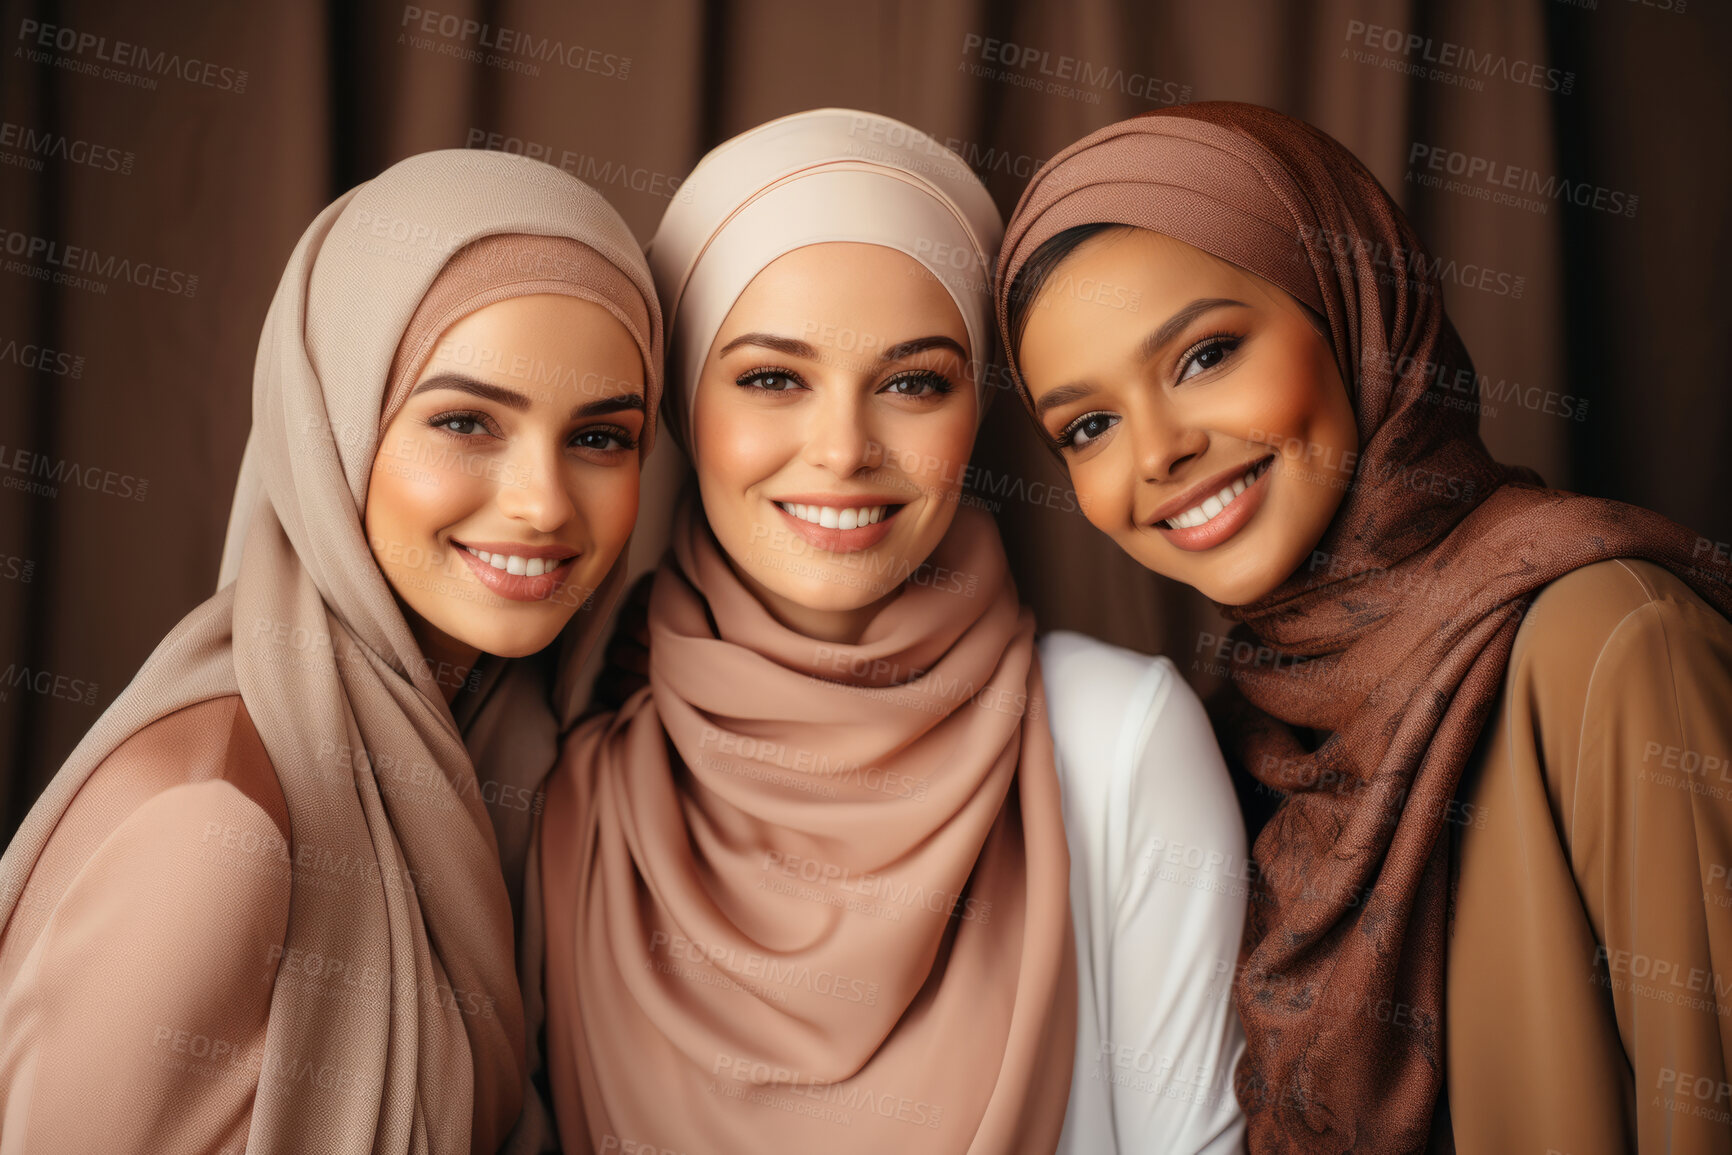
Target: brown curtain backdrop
x=1566 y=160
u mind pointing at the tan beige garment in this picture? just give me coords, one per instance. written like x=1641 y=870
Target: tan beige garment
x=376 y=773
x=1589 y=1006
x=807 y=897
x=169 y=867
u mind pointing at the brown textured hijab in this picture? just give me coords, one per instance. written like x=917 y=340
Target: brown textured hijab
x=1394 y=649
x=440 y=1063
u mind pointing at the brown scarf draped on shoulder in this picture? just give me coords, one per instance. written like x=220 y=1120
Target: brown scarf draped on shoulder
x=1393 y=642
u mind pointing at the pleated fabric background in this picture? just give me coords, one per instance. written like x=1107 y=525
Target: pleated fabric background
x=136 y=156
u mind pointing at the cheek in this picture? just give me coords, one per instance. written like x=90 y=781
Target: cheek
x=417 y=488
x=608 y=500
x=932 y=448
x=1104 y=486
x=1296 y=400
x=1279 y=408
x=739 y=448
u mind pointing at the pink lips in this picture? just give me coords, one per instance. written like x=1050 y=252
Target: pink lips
x=517 y=587
x=840 y=540
x=1224 y=524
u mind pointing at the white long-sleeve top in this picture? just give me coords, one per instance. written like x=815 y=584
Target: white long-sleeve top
x=1159 y=881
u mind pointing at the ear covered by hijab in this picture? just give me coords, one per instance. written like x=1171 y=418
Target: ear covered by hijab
x=368 y=289
x=830 y=174
x=1349 y=910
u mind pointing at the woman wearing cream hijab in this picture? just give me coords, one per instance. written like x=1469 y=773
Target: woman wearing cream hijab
x=262 y=904
x=811 y=890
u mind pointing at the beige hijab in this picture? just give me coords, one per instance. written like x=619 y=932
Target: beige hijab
x=436 y=1074
x=804 y=896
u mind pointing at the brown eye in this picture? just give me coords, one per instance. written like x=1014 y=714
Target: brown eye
x=1081 y=433
x=603 y=439
x=460 y=424
x=918 y=385
x=1207 y=354
x=769 y=380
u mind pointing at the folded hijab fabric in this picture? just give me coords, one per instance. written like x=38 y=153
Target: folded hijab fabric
x=1351 y=890
x=804 y=896
x=832 y=174
x=458 y=229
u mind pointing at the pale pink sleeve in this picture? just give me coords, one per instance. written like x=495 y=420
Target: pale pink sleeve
x=135 y=1021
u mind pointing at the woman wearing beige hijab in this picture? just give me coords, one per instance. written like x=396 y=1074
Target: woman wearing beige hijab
x=262 y=904
x=839 y=879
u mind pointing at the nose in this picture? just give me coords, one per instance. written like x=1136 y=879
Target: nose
x=1163 y=441
x=534 y=489
x=838 y=436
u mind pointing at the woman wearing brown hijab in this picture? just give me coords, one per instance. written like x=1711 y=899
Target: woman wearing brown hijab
x=262 y=905
x=1489 y=907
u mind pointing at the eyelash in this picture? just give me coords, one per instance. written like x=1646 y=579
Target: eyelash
x=1225 y=340
x=625 y=439
x=940 y=384
x=1067 y=436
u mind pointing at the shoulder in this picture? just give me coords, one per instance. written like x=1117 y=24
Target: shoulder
x=164 y=816
x=1118 y=706
x=1137 y=757
x=1614 y=618
x=1092 y=685
x=170 y=880
x=1612 y=650
x=210 y=744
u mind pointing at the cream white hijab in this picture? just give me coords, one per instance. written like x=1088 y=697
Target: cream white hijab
x=831 y=174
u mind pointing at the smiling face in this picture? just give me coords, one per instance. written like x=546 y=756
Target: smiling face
x=832 y=424
x=506 y=486
x=1208 y=431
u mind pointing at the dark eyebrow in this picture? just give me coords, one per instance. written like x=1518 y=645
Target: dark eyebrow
x=1175 y=324
x=518 y=402
x=792 y=346
x=617 y=404
x=1063 y=395
x=1151 y=345
x=795 y=347
x=505 y=397
x=920 y=345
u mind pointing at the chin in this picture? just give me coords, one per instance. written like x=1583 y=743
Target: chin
x=839 y=593
x=1238 y=589
x=511 y=641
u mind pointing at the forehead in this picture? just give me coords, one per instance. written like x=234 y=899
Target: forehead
x=845 y=283
x=1152 y=262
x=1121 y=285
x=544 y=345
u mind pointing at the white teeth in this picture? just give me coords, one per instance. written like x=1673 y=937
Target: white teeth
x=831 y=517
x=1215 y=503
x=513 y=564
